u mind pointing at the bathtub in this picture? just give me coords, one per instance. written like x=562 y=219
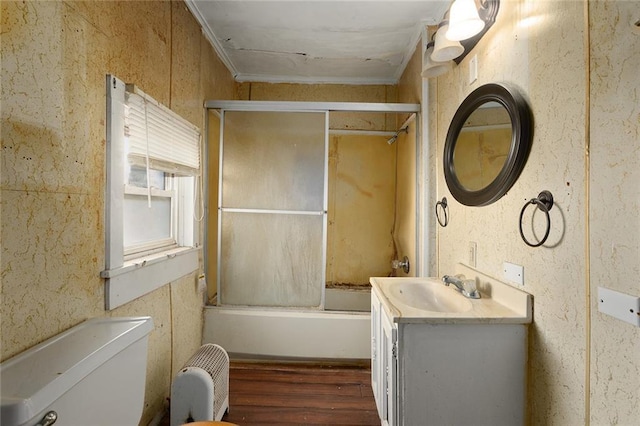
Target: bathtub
x=341 y=332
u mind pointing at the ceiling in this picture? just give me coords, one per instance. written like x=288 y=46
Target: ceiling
x=327 y=41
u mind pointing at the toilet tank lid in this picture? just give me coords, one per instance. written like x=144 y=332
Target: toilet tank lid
x=32 y=380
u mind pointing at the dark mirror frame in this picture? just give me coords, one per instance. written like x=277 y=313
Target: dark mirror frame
x=521 y=136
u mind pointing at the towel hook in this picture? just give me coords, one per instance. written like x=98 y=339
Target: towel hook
x=544 y=201
x=445 y=209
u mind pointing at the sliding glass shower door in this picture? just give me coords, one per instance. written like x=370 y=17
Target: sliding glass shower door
x=273 y=203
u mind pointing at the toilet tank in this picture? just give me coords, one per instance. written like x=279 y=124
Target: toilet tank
x=91 y=374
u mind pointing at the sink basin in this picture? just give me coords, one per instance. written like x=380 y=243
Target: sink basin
x=418 y=300
x=429 y=296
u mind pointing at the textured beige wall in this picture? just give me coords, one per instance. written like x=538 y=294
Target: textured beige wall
x=330 y=93
x=410 y=83
x=540 y=48
x=529 y=58
x=258 y=91
x=55 y=56
x=614 y=207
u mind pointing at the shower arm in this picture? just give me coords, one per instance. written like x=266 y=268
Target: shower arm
x=395 y=136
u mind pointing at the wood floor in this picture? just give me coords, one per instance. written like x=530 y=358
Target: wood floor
x=300 y=394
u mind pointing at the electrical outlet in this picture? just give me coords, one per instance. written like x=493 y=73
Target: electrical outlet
x=513 y=273
x=473 y=254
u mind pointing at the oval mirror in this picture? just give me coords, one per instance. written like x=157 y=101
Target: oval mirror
x=487 y=144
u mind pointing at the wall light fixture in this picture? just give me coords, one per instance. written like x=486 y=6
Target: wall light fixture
x=431 y=68
x=464 y=20
x=461 y=20
x=445 y=49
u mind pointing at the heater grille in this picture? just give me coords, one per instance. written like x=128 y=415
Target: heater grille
x=214 y=360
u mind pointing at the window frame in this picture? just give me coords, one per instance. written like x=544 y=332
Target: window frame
x=128 y=277
x=142 y=249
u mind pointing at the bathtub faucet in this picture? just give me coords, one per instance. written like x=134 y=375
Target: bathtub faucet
x=466 y=287
x=404 y=264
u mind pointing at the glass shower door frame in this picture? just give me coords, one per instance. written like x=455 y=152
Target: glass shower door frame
x=325 y=191
x=300 y=106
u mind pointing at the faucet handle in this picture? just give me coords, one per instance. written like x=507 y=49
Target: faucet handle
x=404 y=264
x=470 y=290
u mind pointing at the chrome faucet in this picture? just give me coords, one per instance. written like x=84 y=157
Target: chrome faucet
x=466 y=287
x=404 y=264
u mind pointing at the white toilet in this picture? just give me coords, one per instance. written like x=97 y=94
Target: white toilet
x=92 y=374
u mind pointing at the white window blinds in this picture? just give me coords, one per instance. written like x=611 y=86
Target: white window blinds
x=157 y=134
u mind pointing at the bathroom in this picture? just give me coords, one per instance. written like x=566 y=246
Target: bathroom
x=572 y=60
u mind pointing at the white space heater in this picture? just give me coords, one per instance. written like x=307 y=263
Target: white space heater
x=200 y=391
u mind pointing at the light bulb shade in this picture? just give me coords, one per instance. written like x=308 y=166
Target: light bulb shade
x=444 y=49
x=431 y=68
x=464 y=21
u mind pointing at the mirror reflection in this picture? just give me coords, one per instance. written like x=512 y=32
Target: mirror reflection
x=482 y=147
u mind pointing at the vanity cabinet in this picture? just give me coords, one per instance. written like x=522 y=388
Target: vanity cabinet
x=383 y=361
x=376 y=365
x=454 y=373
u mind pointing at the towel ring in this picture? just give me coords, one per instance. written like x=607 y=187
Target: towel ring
x=544 y=203
x=444 y=208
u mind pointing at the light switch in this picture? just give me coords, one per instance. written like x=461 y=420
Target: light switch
x=473 y=254
x=473 y=69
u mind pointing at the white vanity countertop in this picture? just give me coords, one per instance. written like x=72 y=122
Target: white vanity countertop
x=500 y=303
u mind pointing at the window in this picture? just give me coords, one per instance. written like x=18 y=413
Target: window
x=153 y=168
x=148 y=223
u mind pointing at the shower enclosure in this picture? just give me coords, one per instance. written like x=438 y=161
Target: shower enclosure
x=303 y=196
x=273 y=208
x=274 y=199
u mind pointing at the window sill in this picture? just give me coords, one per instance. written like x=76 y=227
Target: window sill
x=140 y=276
